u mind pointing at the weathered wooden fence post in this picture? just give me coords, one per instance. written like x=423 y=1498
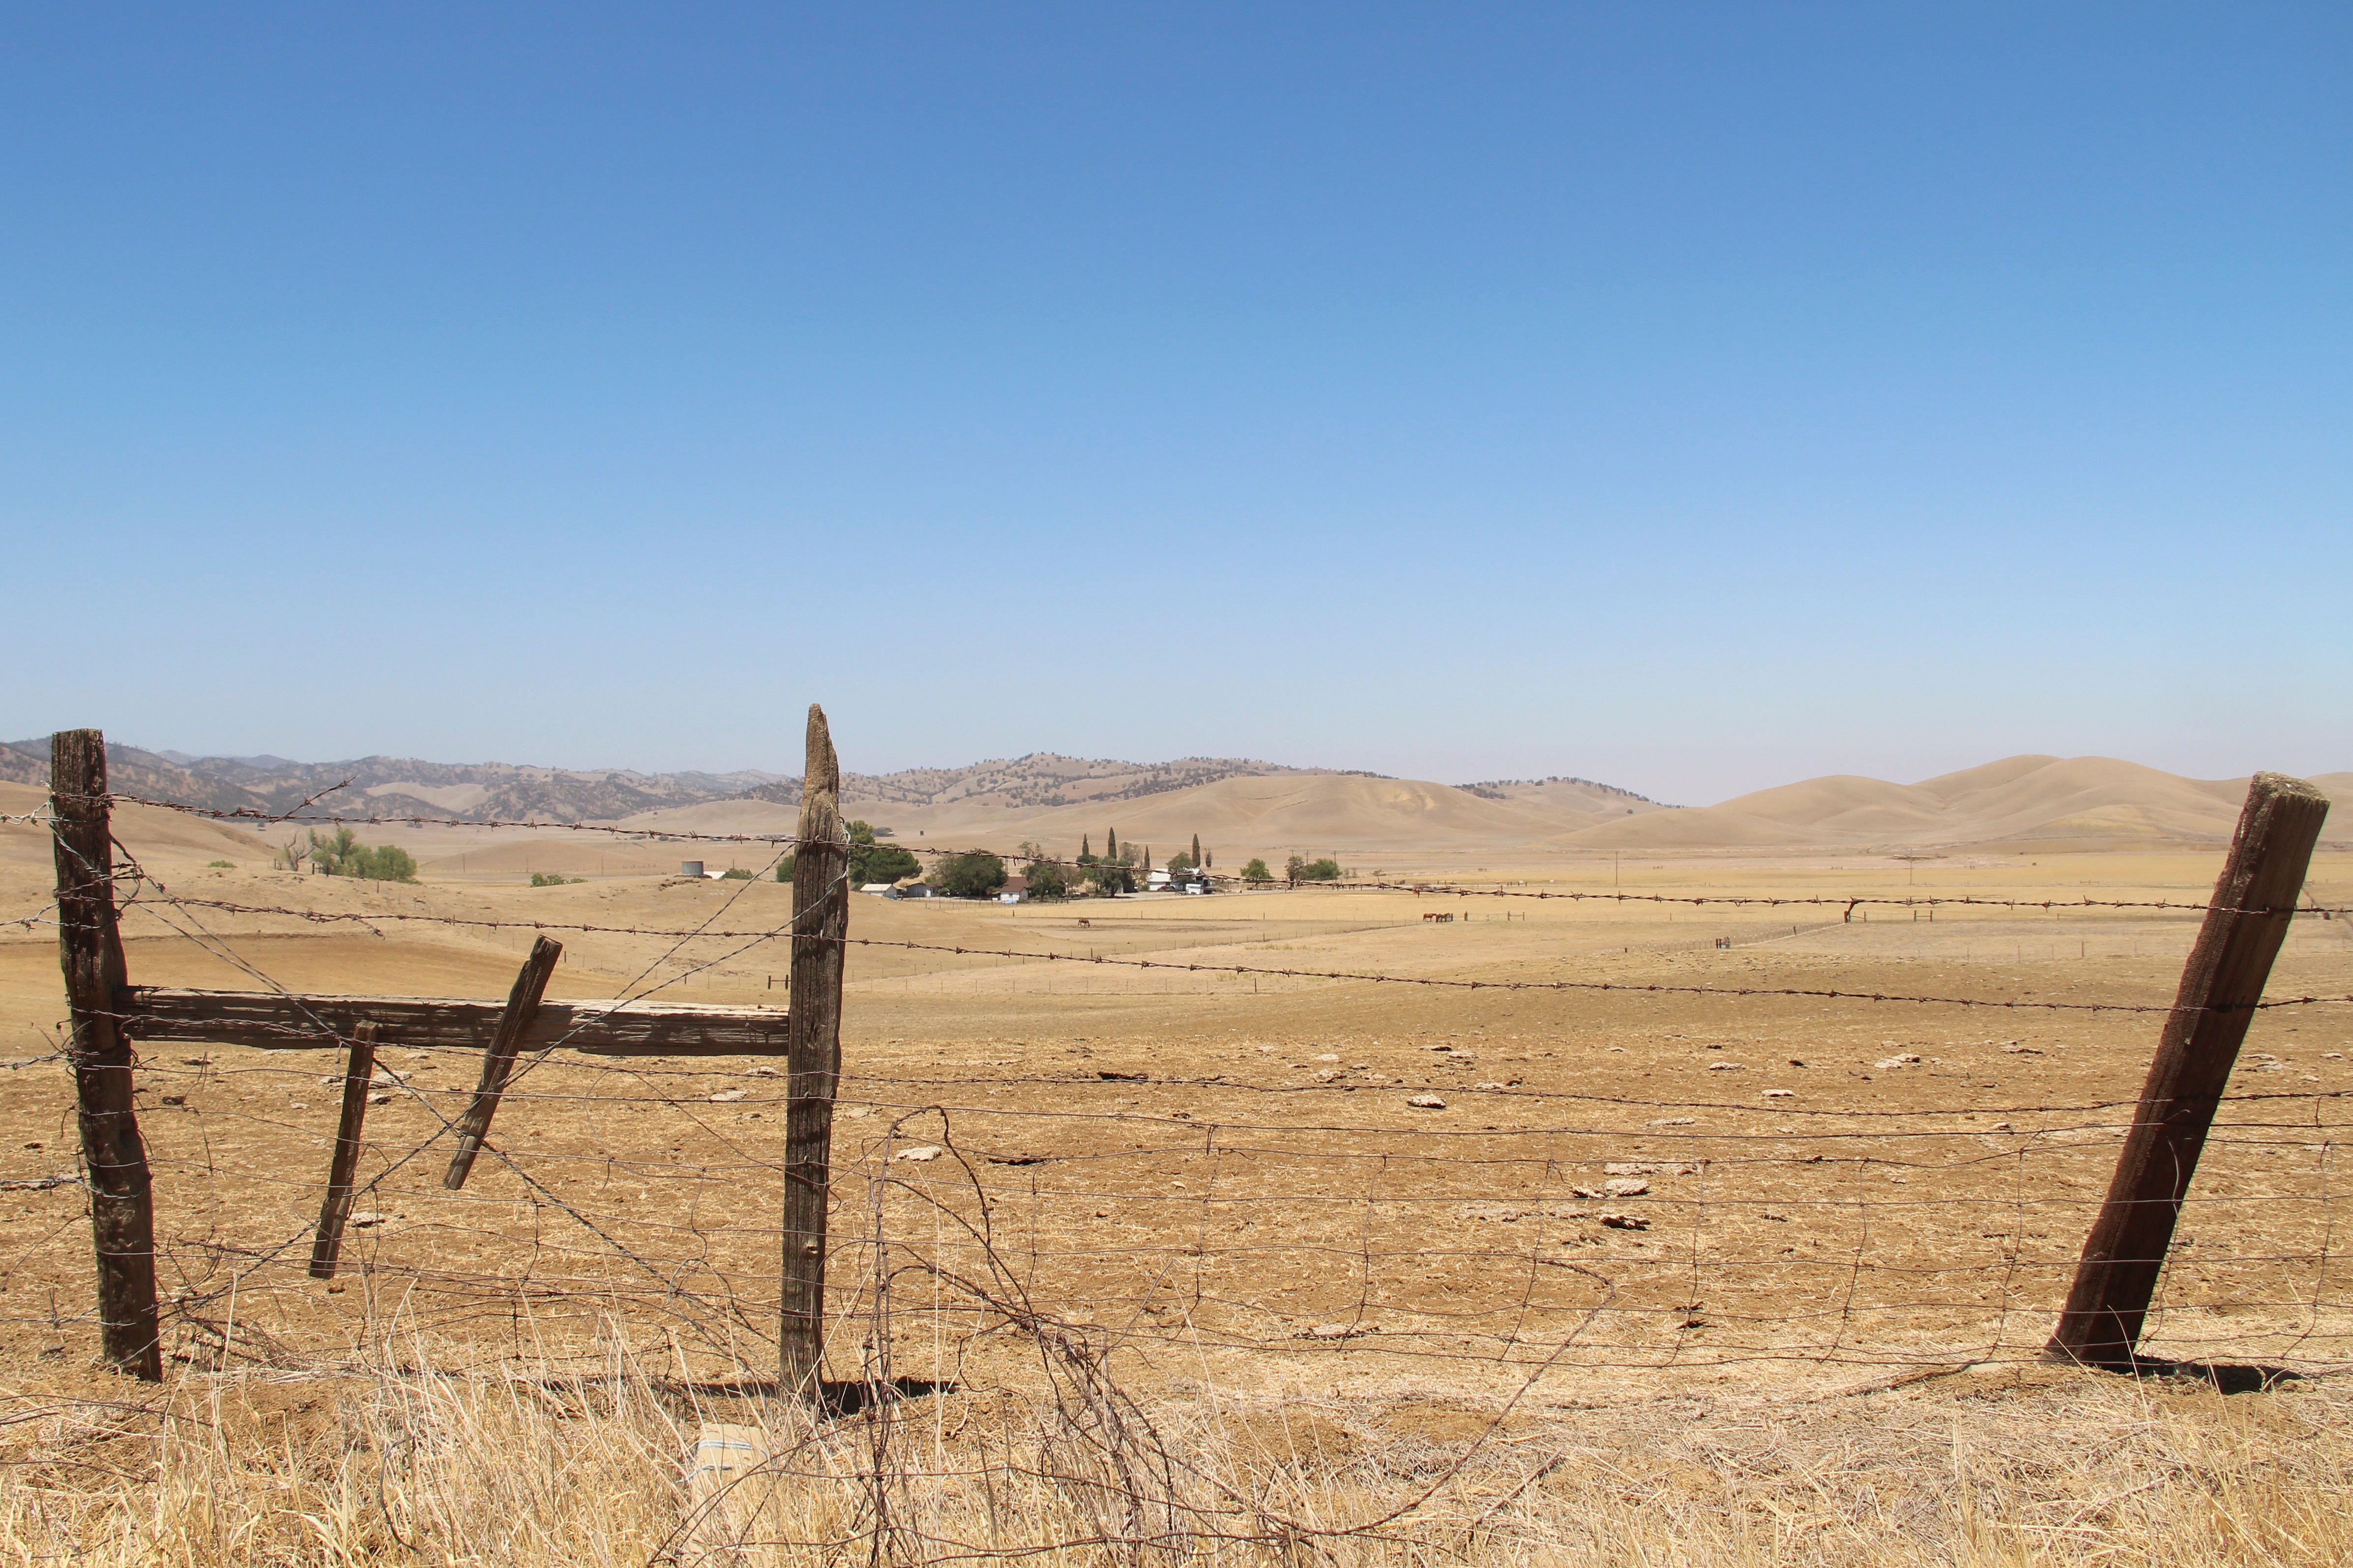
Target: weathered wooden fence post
x=359 y=1073
x=2101 y=1323
x=113 y=1157
x=812 y=1058
x=498 y=1060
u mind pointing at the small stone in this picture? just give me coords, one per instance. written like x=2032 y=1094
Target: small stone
x=176 y=1099
x=1626 y=1221
x=762 y=1071
x=1726 y=1067
x=1908 y=1058
x=1329 y=1056
x=196 y=1061
x=1780 y=1094
x=857 y=1111
x=1325 y=1075
x=1426 y=1102
x=1625 y=1187
x=1673 y=1121
x=1651 y=1168
x=1491 y=1085
x=727 y=1096
x=920 y=1153
x=379 y=1100
x=369 y=1217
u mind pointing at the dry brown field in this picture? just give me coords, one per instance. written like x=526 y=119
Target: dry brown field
x=1185 y=1245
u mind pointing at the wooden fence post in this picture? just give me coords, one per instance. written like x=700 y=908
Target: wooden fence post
x=113 y=1157
x=359 y=1072
x=812 y=1058
x=498 y=1060
x=2101 y=1323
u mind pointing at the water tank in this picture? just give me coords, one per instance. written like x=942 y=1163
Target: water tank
x=689 y=867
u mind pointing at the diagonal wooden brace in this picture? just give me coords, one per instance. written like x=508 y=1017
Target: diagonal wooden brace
x=498 y=1060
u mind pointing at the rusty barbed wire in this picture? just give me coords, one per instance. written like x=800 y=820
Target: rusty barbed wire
x=775 y=932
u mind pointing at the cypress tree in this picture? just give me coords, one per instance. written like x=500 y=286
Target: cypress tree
x=1110 y=844
x=1197 y=849
x=1083 y=850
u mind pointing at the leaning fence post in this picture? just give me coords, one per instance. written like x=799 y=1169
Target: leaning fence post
x=497 y=1061
x=812 y=1057
x=2245 y=923
x=113 y=1157
x=359 y=1072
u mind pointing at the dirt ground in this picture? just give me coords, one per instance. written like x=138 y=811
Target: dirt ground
x=1220 y=1180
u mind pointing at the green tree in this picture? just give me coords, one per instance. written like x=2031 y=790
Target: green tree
x=973 y=876
x=1110 y=844
x=1304 y=870
x=1196 y=851
x=888 y=863
x=1046 y=880
x=1086 y=855
x=1108 y=878
x=784 y=869
x=1254 y=870
x=1180 y=861
x=873 y=862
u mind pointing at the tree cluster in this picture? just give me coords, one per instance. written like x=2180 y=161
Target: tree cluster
x=345 y=856
x=1301 y=870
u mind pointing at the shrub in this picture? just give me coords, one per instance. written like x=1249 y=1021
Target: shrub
x=784 y=869
x=552 y=880
x=220 y=865
x=734 y=874
x=973 y=876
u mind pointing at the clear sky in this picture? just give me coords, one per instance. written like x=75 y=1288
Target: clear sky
x=1690 y=397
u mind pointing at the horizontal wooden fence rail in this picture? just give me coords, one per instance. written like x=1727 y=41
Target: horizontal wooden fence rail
x=277 y=1021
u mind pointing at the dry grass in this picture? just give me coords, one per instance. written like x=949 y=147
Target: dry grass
x=391 y=1459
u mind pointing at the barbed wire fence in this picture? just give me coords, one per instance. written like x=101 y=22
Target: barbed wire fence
x=1081 y=1231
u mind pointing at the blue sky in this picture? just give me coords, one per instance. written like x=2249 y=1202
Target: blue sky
x=1692 y=397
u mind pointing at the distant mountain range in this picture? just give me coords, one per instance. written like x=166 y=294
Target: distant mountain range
x=1236 y=803
x=484 y=792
